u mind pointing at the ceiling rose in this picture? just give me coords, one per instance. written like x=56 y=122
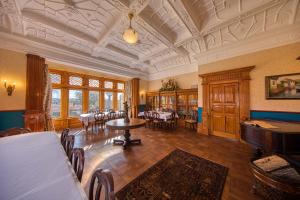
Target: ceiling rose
x=130 y=35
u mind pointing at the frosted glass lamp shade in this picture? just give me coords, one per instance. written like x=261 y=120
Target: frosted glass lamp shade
x=130 y=36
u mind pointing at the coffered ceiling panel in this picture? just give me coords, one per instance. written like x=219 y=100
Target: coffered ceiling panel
x=87 y=16
x=163 y=17
x=173 y=34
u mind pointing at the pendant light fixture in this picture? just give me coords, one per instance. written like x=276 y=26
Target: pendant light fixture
x=130 y=35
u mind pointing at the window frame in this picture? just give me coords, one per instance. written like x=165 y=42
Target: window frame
x=65 y=87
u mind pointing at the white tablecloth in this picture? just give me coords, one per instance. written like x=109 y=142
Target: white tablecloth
x=87 y=118
x=90 y=117
x=34 y=166
x=162 y=115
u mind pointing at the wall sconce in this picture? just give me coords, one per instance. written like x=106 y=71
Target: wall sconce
x=9 y=88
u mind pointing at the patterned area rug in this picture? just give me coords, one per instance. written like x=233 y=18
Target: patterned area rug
x=180 y=176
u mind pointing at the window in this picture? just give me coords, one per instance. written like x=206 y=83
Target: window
x=120 y=101
x=108 y=98
x=93 y=83
x=74 y=80
x=120 y=86
x=108 y=84
x=93 y=100
x=55 y=78
x=56 y=103
x=75 y=103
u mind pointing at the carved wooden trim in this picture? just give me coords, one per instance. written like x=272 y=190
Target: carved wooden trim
x=232 y=74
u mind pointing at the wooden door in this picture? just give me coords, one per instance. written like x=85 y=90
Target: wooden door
x=224 y=109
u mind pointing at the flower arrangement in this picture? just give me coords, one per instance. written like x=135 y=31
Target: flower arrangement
x=169 y=85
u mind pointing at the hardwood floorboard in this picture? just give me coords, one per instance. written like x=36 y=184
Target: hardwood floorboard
x=156 y=144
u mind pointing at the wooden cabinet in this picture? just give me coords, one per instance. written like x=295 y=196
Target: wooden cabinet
x=152 y=100
x=168 y=100
x=183 y=101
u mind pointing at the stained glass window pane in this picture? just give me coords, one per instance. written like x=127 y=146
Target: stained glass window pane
x=75 y=80
x=55 y=78
x=93 y=83
x=120 y=86
x=108 y=84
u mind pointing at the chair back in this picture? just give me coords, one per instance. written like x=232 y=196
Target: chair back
x=14 y=131
x=173 y=115
x=63 y=136
x=121 y=114
x=69 y=144
x=194 y=114
x=156 y=116
x=146 y=115
x=102 y=178
x=99 y=116
x=76 y=158
x=111 y=115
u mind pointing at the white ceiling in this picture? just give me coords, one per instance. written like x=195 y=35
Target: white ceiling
x=174 y=35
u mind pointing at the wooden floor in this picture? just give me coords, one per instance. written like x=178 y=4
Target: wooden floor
x=156 y=144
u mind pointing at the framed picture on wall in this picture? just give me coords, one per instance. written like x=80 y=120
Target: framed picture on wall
x=285 y=86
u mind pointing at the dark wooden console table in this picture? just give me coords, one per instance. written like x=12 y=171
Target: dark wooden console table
x=120 y=124
x=284 y=138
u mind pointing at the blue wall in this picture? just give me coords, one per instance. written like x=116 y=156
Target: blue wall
x=142 y=107
x=199 y=114
x=273 y=115
x=9 y=119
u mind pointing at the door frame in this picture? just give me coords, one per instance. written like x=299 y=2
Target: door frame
x=239 y=75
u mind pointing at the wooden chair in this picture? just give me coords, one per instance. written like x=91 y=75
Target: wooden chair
x=63 y=136
x=14 y=131
x=77 y=160
x=111 y=115
x=192 y=120
x=148 y=119
x=99 y=120
x=121 y=114
x=69 y=144
x=171 y=122
x=157 y=121
x=104 y=178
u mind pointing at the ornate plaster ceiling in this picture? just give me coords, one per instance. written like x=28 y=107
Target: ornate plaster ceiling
x=173 y=34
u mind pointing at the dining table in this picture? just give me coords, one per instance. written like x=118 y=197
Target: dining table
x=162 y=115
x=35 y=166
x=123 y=124
x=88 y=119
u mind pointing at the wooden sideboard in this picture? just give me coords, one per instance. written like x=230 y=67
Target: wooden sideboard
x=283 y=138
x=183 y=101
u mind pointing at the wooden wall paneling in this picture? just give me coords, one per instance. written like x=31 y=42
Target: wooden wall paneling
x=135 y=97
x=205 y=112
x=35 y=81
x=85 y=94
x=242 y=77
